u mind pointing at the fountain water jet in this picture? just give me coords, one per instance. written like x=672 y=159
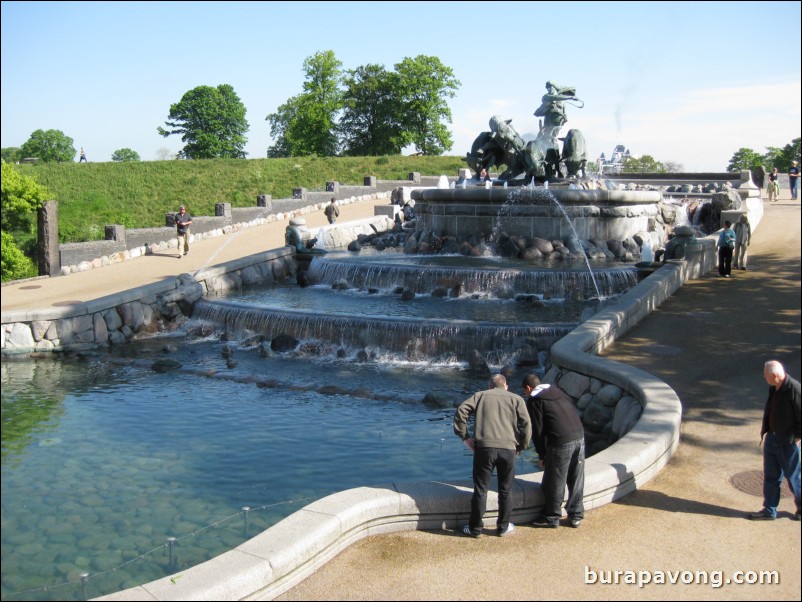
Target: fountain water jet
x=532 y=195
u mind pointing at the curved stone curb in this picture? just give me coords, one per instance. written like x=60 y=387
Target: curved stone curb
x=285 y=554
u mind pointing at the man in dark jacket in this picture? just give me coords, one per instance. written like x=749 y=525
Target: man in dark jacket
x=780 y=434
x=559 y=439
x=183 y=221
x=502 y=429
x=331 y=211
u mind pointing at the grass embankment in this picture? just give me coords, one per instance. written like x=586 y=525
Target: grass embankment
x=138 y=194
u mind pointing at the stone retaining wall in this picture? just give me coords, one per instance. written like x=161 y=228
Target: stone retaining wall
x=130 y=244
x=118 y=318
x=156 y=307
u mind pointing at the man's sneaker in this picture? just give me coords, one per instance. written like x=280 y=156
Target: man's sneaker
x=544 y=522
x=466 y=530
x=575 y=522
x=510 y=528
x=762 y=515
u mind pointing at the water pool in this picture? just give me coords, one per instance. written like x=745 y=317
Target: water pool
x=104 y=459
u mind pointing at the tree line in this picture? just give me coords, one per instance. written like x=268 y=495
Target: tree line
x=367 y=111
x=746 y=158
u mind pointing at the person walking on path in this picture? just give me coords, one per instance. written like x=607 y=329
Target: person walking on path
x=793 y=179
x=502 y=429
x=726 y=245
x=331 y=211
x=83 y=156
x=773 y=187
x=780 y=434
x=559 y=439
x=182 y=222
x=743 y=236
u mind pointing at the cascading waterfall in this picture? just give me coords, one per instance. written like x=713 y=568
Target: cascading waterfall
x=434 y=336
x=420 y=276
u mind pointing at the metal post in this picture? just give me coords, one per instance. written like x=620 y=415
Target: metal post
x=171 y=544
x=245 y=509
x=84 y=582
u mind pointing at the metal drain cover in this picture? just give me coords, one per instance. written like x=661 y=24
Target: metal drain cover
x=751 y=482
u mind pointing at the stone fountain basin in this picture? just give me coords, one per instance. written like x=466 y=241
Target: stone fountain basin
x=537 y=212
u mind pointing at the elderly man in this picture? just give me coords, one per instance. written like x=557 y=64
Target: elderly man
x=502 y=429
x=780 y=434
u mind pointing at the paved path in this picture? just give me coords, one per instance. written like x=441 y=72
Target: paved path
x=93 y=284
x=709 y=343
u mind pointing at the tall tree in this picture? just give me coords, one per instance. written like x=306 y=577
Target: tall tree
x=790 y=152
x=212 y=123
x=745 y=158
x=11 y=154
x=163 y=153
x=306 y=124
x=20 y=197
x=49 y=146
x=773 y=157
x=125 y=154
x=286 y=128
x=644 y=164
x=371 y=121
x=425 y=85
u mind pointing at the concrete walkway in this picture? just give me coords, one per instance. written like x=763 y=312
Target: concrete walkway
x=93 y=284
x=708 y=342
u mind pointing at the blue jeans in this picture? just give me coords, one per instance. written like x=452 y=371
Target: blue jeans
x=484 y=460
x=565 y=465
x=794 y=187
x=779 y=461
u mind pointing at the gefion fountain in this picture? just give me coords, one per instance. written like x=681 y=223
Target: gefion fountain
x=525 y=236
x=503 y=269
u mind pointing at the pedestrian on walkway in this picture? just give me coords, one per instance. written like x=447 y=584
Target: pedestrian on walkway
x=780 y=434
x=773 y=187
x=502 y=429
x=743 y=236
x=726 y=245
x=182 y=222
x=793 y=179
x=331 y=211
x=559 y=439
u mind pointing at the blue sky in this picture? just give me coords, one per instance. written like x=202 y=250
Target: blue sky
x=690 y=82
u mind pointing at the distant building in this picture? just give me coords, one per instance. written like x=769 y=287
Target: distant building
x=615 y=164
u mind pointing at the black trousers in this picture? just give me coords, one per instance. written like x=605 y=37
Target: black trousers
x=565 y=466
x=485 y=459
x=724 y=261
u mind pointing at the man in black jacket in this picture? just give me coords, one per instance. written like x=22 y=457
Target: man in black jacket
x=780 y=434
x=183 y=221
x=559 y=439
